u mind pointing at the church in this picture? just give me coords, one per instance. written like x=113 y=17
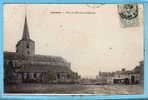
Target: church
x=24 y=66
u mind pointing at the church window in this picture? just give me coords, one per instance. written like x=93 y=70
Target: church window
x=58 y=76
x=28 y=52
x=35 y=75
x=27 y=45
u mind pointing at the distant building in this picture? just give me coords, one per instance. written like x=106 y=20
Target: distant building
x=140 y=70
x=105 y=77
x=25 y=66
x=124 y=76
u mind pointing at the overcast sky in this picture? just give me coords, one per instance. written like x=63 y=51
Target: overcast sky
x=91 y=42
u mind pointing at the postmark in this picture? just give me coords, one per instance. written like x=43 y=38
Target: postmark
x=95 y=5
x=128 y=14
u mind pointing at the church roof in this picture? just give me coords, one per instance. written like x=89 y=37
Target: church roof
x=42 y=59
x=43 y=68
x=25 y=31
x=25 y=35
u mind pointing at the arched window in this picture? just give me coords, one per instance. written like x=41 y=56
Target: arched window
x=58 y=75
x=27 y=45
x=28 y=52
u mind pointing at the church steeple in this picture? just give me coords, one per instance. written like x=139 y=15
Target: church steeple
x=25 y=46
x=25 y=31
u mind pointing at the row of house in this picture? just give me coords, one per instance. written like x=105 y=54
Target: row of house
x=123 y=76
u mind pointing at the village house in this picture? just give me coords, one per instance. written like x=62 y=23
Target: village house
x=123 y=76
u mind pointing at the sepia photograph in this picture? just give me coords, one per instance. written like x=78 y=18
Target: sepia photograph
x=73 y=49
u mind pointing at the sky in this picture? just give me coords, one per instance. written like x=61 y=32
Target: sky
x=92 y=40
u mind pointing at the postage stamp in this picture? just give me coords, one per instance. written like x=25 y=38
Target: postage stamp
x=128 y=14
x=95 y=5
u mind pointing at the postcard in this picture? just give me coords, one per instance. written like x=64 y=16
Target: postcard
x=74 y=49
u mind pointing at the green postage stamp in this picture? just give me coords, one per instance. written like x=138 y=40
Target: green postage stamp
x=129 y=14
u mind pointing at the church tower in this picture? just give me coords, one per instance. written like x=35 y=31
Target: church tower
x=25 y=46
